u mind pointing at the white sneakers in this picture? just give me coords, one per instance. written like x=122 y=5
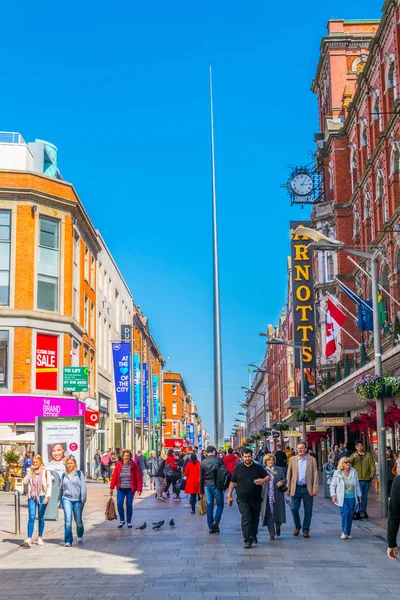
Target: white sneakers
x=80 y=540
x=27 y=543
x=345 y=537
x=40 y=542
x=67 y=545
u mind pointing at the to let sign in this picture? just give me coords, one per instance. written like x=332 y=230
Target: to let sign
x=76 y=379
x=46 y=362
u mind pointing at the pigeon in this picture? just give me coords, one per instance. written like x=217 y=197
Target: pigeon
x=172 y=523
x=158 y=525
x=142 y=527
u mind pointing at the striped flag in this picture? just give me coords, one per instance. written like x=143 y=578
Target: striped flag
x=334 y=321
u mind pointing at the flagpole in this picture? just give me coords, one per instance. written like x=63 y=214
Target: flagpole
x=369 y=275
x=340 y=304
x=350 y=336
x=344 y=288
x=218 y=399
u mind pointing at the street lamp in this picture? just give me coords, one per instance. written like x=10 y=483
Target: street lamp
x=324 y=243
x=264 y=394
x=299 y=347
x=278 y=375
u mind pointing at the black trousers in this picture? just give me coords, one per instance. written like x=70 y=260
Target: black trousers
x=250 y=519
x=193 y=500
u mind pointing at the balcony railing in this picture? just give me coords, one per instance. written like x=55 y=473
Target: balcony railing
x=11 y=137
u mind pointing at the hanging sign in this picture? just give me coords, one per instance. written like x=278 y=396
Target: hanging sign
x=156 y=400
x=46 y=362
x=122 y=376
x=191 y=434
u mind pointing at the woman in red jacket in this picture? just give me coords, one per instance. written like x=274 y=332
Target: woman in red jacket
x=127 y=478
x=192 y=487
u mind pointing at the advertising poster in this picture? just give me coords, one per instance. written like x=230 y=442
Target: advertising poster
x=156 y=400
x=122 y=376
x=145 y=394
x=58 y=439
x=136 y=384
x=46 y=362
x=191 y=434
x=200 y=441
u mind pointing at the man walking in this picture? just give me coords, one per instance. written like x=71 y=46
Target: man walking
x=365 y=466
x=281 y=458
x=248 y=478
x=302 y=477
x=142 y=464
x=208 y=472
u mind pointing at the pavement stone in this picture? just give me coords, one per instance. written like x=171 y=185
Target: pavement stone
x=187 y=562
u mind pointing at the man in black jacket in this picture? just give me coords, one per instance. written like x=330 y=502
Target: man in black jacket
x=208 y=471
x=394 y=519
x=281 y=458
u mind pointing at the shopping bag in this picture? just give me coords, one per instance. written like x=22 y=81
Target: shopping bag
x=202 y=506
x=358 y=512
x=182 y=484
x=110 y=510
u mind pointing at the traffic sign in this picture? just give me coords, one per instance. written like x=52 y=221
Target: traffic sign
x=76 y=379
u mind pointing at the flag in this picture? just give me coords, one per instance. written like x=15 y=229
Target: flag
x=365 y=315
x=334 y=321
x=381 y=309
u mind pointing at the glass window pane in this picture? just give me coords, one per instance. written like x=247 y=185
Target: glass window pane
x=4 y=233
x=48 y=262
x=5 y=217
x=3 y=358
x=47 y=293
x=4 y=287
x=4 y=256
x=48 y=233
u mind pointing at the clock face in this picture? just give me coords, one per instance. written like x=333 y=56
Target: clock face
x=302 y=184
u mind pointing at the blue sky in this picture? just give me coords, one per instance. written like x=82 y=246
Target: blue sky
x=122 y=89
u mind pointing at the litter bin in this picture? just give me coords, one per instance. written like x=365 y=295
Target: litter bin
x=51 y=513
x=328 y=470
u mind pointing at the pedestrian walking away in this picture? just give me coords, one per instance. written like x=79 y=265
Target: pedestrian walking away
x=192 y=487
x=208 y=469
x=273 y=512
x=281 y=459
x=97 y=464
x=345 y=492
x=394 y=520
x=230 y=460
x=72 y=499
x=364 y=464
x=334 y=456
x=248 y=479
x=172 y=474
x=105 y=462
x=38 y=480
x=302 y=477
x=156 y=469
x=127 y=478
x=141 y=462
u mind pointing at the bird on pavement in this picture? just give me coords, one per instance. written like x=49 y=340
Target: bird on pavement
x=158 y=525
x=142 y=527
x=172 y=523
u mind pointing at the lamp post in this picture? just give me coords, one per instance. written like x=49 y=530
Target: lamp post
x=264 y=394
x=279 y=342
x=278 y=375
x=323 y=243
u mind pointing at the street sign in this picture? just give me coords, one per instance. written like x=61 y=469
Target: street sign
x=125 y=333
x=75 y=379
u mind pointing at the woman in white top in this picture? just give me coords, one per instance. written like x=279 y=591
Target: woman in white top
x=38 y=479
x=345 y=492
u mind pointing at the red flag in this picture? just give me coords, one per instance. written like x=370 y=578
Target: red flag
x=334 y=321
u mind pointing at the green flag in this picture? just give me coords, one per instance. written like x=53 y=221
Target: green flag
x=381 y=309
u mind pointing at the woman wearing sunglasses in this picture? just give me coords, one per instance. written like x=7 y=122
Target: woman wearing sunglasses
x=345 y=493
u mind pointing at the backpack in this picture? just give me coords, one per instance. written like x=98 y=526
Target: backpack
x=222 y=477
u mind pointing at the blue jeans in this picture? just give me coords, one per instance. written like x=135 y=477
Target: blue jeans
x=33 y=506
x=122 y=494
x=302 y=494
x=211 y=493
x=364 y=485
x=347 y=513
x=72 y=507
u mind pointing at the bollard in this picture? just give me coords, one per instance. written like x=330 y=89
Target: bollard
x=17 y=512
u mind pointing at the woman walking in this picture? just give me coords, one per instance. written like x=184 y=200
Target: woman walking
x=156 y=470
x=273 y=512
x=172 y=474
x=127 y=478
x=192 y=487
x=72 y=499
x=345 y=491
x=38 y=480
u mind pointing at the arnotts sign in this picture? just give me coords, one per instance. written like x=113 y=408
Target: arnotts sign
x=303 y=297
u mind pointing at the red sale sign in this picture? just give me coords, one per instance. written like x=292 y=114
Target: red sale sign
x=46 y=362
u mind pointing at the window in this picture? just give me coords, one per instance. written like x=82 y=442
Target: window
x=174 y=428
x=100 y=278
x=92 y=320
x=75 y=354
x=3 y=358
x=174 y=408
x=363 y=133
x=367 y=204
x=75 y=291
x=117 y=308
x=329 y=267
x=92 y=371
x=356 y=224
x=174 y=390
x=86 y=271
x=105 y=283
x=5 y=243
x=86 y=314
x=395 y=158
x=47 y=291
x=390 y=72
x=92 y=273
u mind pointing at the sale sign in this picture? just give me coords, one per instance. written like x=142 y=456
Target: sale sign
x=46 y=362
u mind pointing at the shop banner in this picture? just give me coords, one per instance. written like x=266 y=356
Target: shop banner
x=200 y=441
x=145 y=394
x=57 y=439
x=191 y=434
x=92 y=418
x=122 y=377
x=46 y=362
x=136 y=385
x=156 y=400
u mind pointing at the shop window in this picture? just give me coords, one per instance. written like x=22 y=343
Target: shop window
x=5 y=244
x=48 y=265
x=3 y=359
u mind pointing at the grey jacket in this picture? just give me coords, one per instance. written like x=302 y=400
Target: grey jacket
x=73 y=488
x=208 y=469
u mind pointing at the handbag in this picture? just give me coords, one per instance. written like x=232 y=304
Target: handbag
x=110 y=514
x=283 y=488
x=358 y=512
x=181 y=483
x=202 y=506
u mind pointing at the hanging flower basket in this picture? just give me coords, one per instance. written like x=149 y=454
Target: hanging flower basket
x=265 y=431
x=280 y=426
x=304 y=416
x=373 y=387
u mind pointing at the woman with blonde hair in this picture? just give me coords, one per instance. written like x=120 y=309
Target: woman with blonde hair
x=38 y=480
x=72 y=499
x=345 y=492
x=273 y=512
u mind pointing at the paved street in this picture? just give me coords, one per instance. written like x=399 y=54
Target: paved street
x=187 y=562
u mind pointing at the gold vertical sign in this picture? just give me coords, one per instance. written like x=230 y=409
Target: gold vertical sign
x=303 y=296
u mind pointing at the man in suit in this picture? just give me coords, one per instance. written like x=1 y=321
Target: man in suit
x=302 y=478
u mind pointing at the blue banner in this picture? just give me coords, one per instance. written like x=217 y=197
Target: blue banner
x=200 y=441
x=136 y=385
x=191 y=434
x=122 y=377
x=145 y=394
x=156 y=400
